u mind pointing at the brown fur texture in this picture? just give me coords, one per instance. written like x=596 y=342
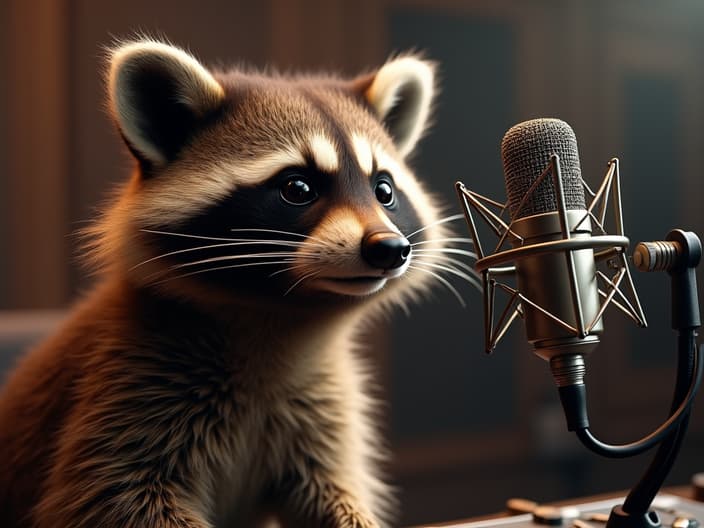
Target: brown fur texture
x=167 y=400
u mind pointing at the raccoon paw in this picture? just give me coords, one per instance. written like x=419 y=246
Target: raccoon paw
x=345 y=515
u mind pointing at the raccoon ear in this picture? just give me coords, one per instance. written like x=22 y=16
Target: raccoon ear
x=401 y=93
x=158 y=94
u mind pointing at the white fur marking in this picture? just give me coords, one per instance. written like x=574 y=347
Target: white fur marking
x=324 y=153
x=182 y=194
x=363 y=152
x=257 y=171
x=386 y=220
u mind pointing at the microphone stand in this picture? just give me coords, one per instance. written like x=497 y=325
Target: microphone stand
x=679 y=256
x=635 y=511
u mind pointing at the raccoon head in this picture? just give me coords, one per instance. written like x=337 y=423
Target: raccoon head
x=252 y=186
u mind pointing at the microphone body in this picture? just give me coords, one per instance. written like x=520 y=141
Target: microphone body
x=559 y=285
x=545 y=280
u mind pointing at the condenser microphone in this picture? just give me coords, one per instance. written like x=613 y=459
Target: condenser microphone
x=557 y=283
x=557 y=241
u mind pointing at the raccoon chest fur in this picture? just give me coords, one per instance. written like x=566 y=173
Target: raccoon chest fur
x=310 y=407
x=296 y=402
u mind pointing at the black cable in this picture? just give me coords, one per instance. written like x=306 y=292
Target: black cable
x=649 y=441
x=643 y=493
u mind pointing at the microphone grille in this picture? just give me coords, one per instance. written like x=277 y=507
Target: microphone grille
x=525 y=150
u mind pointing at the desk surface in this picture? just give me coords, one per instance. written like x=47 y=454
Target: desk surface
x=677 y=498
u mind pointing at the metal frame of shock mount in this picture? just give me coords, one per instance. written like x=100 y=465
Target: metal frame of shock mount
x=609 y=248
x=635 y=512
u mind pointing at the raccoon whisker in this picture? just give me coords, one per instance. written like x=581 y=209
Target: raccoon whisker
x=443 y=282
x=454 y=271
x=289 y=269
x=456 y=251
x=262 y=230
x=451 y=218
x=454 y=261
x=187 y=235
x=458 y=240
x=286 y=257
x=306 y=276
x=291 y=256
x=242 y=242
x=447 y=266
x=218 y=268
x=225 y=239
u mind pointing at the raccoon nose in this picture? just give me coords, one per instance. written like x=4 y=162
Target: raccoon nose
x=385 y=249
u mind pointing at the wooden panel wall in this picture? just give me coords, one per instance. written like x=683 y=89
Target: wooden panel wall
x=36 y=140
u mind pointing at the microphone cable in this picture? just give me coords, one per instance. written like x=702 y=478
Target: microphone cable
x=573 y=399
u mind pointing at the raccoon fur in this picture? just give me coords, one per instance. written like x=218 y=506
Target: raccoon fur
x=210 y=378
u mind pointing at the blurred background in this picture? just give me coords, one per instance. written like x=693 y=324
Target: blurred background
x=467 y=431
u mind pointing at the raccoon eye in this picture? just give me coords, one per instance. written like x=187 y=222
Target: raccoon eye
x=297 y=191
x=384 y=193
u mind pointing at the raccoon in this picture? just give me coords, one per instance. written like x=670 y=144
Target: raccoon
x=211 y=378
